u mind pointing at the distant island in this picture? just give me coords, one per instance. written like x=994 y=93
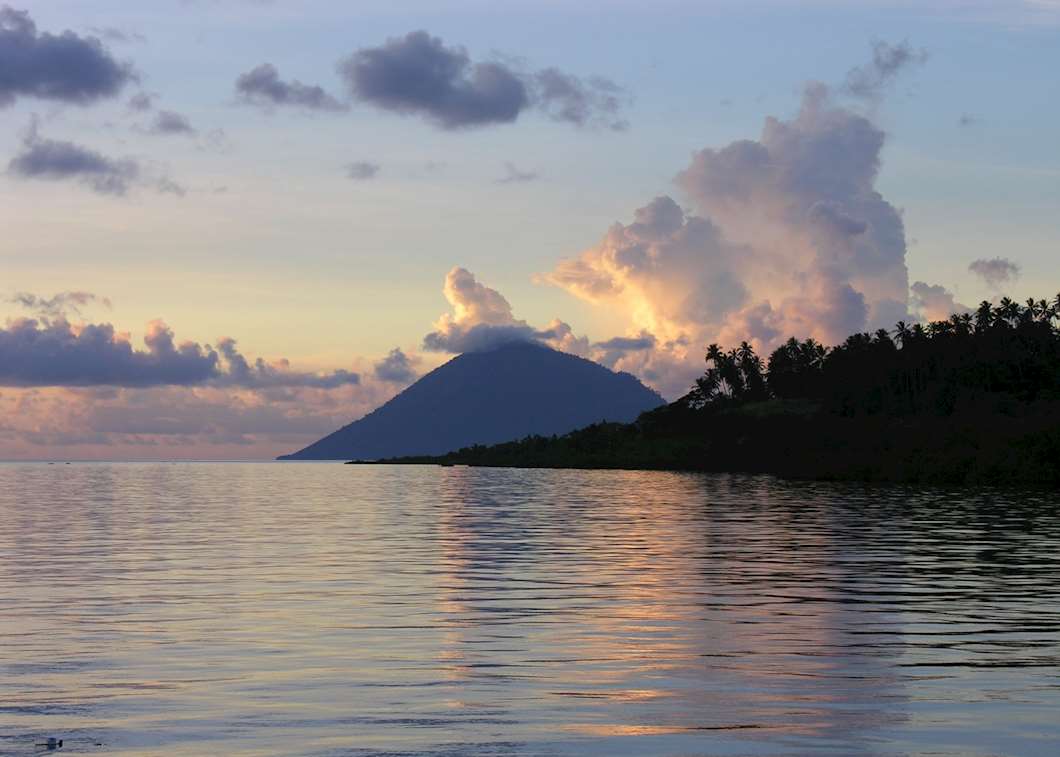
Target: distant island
x=970 y=400
x=485 y=397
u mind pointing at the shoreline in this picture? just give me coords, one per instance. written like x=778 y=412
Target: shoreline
x=969 y=449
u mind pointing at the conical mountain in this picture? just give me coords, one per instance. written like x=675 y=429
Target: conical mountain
x=489 y=397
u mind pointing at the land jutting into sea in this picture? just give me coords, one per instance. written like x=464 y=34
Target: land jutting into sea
x=974 y=399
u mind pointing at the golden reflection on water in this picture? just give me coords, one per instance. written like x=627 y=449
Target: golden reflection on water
x=318 y=609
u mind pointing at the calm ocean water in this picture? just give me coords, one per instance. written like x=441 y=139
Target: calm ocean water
x=320 y=609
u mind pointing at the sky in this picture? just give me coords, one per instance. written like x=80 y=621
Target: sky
x=232 y=226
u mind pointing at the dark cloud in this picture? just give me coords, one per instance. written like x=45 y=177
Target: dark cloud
x=55 y=160
x=868 y=81
x=513 y=175
x=263 y=86
x=595 y=102
x=63 y=67
x=59 y=305
x=610 y=351
x=361 y=170
x=262 y=375
x=168 y=122
x=396 y=367
x=418 y=75
x=478 y=338
x=643 y=342
x=995 y=271
x=53 y=352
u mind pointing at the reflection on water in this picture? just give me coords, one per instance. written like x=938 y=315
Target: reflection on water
x=190 y=609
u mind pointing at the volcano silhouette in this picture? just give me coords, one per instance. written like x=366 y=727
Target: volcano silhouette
x=506 y=393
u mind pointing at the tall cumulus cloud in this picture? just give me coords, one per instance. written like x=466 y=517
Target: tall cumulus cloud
x=787 y=235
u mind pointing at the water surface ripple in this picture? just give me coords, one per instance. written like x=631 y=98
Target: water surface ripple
x=317 y=609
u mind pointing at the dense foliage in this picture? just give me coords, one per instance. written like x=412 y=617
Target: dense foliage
x=991 y=359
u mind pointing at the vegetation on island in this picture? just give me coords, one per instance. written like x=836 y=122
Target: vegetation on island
x=974 y=399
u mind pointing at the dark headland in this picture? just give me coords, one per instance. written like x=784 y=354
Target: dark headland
x=488 y=397
x=971 y=400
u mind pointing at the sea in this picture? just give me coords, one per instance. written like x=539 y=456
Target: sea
x=324 y=609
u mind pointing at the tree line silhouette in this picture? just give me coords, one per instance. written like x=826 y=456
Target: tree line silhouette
x=986 y=359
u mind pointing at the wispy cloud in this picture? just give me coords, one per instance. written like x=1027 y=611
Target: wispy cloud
x=513 y=175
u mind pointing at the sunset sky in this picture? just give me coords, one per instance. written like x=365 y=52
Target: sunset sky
x=353 y=192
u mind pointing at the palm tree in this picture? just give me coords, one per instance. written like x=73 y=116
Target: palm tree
x=901 y=333
x=984 y=316
x=1007 y=311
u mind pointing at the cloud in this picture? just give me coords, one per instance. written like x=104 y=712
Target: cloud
x=168 y=122
x=932 y=302
x=57 y=353
x=787 y=235
x=63 y=67
x=560 y=336
x=396 y=367
x=263 y=86
x=171 y=422
x=362 y=170
x=142 y=101
x=481 y=318
x=513 y=175
x=610 y=351
x=260 y=375
x=55 y=160
x=114 y=34
x=54 y=352
x=564 y=97
x=165 y=185
x=995 y=271
x=869 y=81
x=418 y=75
x=59 y=305
x=216 y=140
x=625 y=343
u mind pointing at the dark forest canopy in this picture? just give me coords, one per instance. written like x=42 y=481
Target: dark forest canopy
x=998 y=354
x=972 y=399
